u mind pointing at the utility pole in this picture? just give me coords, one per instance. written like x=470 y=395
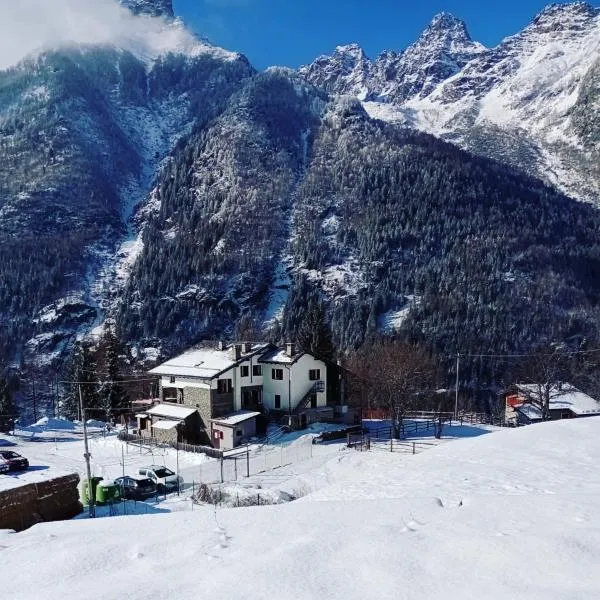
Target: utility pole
x=55 y=399
x=87 y=455
x=34 y=403
x=456 y=391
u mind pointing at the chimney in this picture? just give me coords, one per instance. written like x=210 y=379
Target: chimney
x=246 y=347
x=235 y=352
x=221 y=345
x=290 y=349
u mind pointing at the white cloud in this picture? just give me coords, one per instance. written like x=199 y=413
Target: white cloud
x=27 y=26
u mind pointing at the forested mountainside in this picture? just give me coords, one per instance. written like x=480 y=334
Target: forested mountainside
x=520 y=102
x=172 y=189
x=221 y=215
x=82 y=132
x=379 y=222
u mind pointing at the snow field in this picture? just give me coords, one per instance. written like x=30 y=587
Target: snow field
x=512 y=514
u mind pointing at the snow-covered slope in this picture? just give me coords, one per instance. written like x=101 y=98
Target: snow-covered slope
x=511 y=514
x=519 y=102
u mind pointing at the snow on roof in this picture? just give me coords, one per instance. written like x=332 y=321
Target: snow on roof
x=171 y=410
x=236 y=418
x=204 y=363
x=166 y=424
x=568 y=397
x=279 y=355
x=533 y=413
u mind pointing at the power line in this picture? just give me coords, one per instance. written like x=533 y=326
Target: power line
x=104 y=381
x=540 y=354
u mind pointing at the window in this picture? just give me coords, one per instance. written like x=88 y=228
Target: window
x=277 y=374
x=224 y=386
x=239 y=433
x=244 y=371
x=314 y=374
x=277 y=401
x=257 y=370
x=172 y=379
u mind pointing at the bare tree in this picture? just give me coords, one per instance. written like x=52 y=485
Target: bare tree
x=394 y=376
x=541 y=377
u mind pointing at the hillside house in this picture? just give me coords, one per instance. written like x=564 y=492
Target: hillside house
x=230 y=386
x=566 y=402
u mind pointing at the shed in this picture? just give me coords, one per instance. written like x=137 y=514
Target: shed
x=233 y=430
x=170 y=423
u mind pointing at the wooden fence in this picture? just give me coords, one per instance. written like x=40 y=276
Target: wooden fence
x=151 y=442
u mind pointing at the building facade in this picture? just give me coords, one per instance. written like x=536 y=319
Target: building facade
x=227 y=380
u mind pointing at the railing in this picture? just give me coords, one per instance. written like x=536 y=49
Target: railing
x=318 y=386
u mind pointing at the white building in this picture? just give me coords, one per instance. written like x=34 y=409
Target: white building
x=223 y=382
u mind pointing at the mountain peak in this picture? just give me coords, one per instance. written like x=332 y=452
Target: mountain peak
x=447 y=26
x=565 y=16
x=353 y=50
x=151 y=8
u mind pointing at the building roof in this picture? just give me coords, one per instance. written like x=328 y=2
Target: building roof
x=204 y=363
x=280 y=356
x=236 y=418
x=165 y=424
x=567 y=397
x=174 y=411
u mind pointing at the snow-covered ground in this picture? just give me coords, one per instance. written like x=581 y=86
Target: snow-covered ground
x=512 y=514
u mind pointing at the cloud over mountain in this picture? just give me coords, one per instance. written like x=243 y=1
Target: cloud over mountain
x=32 y=25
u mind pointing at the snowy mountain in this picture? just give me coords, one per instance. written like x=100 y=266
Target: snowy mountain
x=441 y=51
x=84 y=130
x=156 y=181
x=525 y=102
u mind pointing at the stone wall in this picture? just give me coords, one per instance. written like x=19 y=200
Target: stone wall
x=198 y=398
x=50 y=500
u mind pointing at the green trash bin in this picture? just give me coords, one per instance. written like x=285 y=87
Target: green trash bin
x=85 y=496
x=107 y=492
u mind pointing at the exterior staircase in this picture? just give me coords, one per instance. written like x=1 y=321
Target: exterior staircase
x=319 y=386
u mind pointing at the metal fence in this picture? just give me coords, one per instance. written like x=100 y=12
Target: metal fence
x=243 y=463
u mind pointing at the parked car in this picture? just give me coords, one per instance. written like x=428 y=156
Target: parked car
x=4 y=467
x=163 y=477
x=15 y=461
x=136 y=487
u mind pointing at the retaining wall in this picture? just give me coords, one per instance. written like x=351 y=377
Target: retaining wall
x=50 y=500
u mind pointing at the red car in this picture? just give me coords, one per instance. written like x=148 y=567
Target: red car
x=15 y=461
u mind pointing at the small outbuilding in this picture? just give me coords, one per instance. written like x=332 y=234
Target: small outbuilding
x=233 y=430
x=170 y=423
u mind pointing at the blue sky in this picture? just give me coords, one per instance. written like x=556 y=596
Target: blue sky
x=294 y=32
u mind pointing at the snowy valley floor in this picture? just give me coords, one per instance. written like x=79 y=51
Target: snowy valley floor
x=511 y=514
